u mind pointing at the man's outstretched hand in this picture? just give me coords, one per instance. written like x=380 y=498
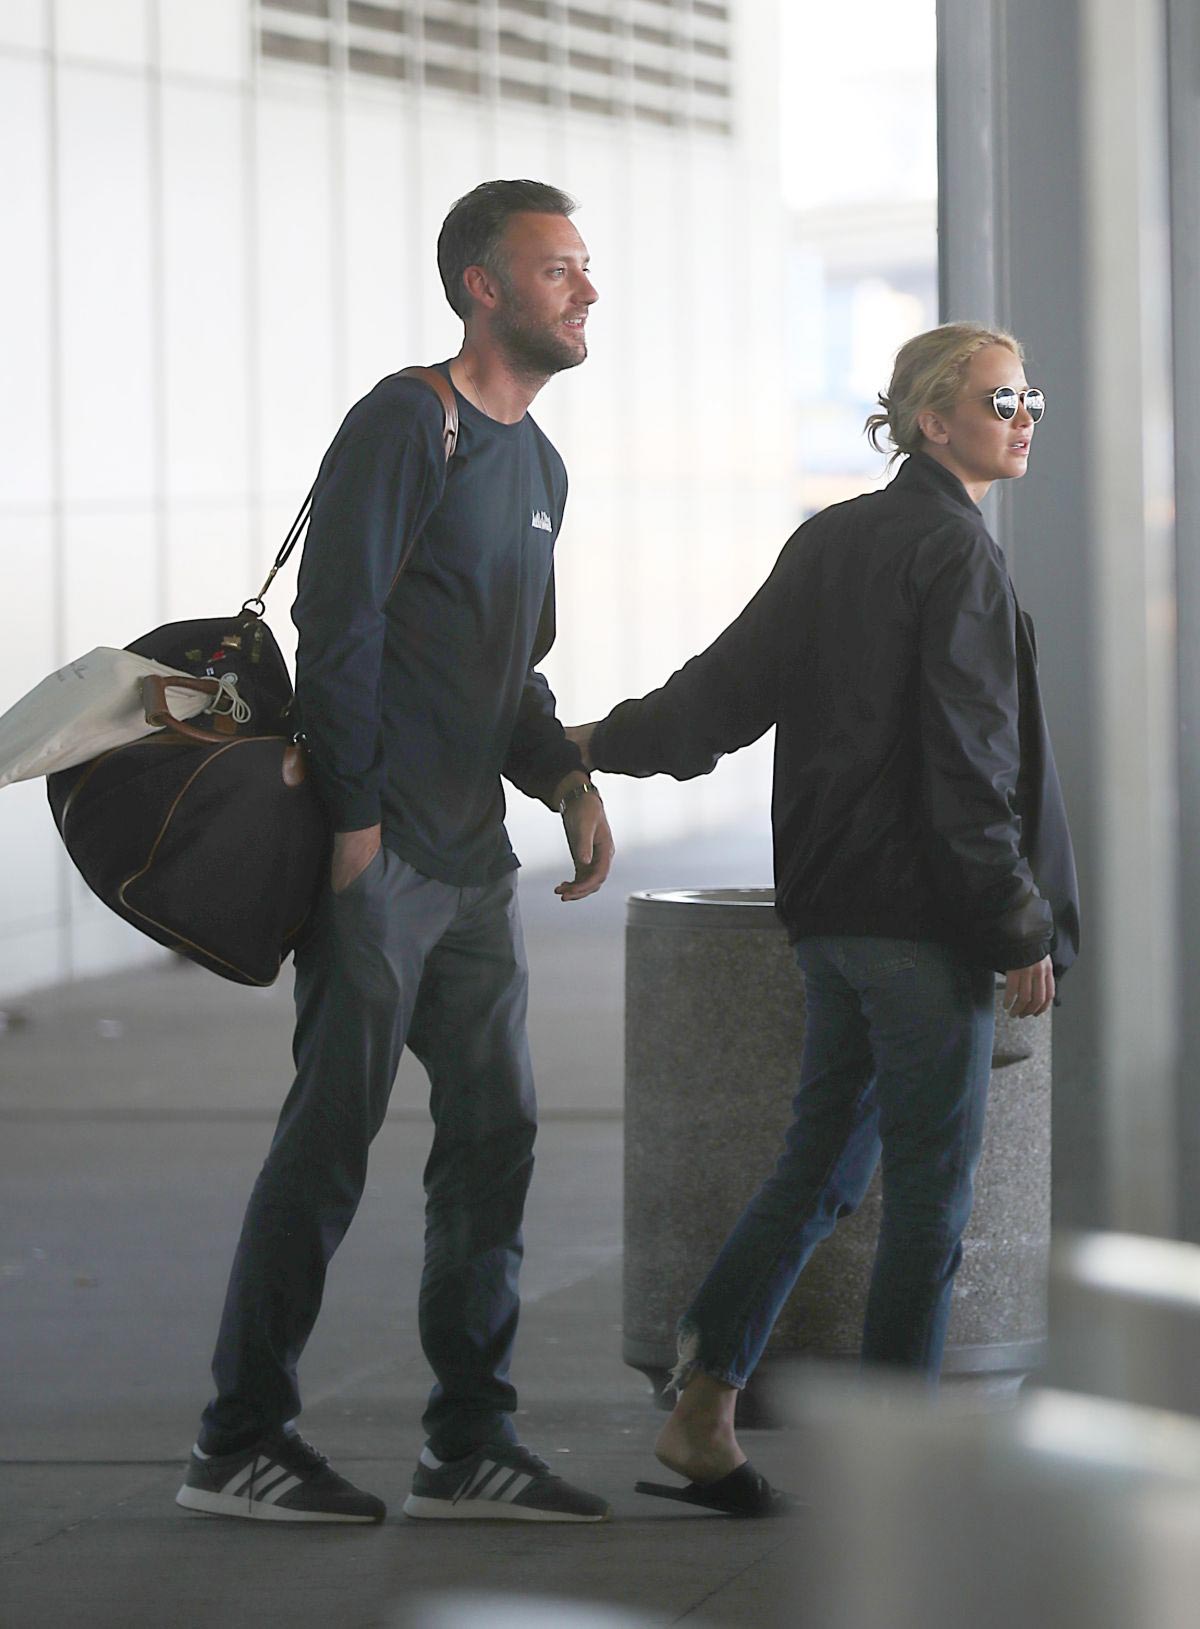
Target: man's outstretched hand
x=589 y=838
x=581 y=734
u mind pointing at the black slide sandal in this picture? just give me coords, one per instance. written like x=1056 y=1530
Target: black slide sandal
x=742 y=1493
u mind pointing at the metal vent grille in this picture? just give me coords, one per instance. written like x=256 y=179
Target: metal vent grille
x=666 y=62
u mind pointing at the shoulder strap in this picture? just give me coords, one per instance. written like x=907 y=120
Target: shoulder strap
x=444 y=392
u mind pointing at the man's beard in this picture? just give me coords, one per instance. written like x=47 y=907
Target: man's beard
x=533 y=350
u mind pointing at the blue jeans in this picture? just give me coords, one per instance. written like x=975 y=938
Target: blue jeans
x=897 y=1057
x=395 y=959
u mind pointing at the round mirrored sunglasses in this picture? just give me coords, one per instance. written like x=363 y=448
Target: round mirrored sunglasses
x=1006 y=400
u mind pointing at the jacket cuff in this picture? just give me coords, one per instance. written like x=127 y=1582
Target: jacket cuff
x=596 y=745
x=1012 y=958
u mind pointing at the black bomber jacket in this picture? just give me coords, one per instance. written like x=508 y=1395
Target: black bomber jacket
x=915 y=793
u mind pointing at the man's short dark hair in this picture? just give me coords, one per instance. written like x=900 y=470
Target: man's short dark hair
x=472 y=231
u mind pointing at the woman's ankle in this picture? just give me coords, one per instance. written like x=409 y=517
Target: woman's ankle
x=706 y=1399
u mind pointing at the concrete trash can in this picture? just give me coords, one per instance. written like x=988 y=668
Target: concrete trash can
x=714 y=1024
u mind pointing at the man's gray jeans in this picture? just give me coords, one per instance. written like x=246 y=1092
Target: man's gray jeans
x=394 y=959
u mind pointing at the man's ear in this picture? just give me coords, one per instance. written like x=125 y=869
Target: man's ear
x=933 y=427
x=480 y=287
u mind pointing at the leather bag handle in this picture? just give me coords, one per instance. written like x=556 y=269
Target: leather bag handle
x=158 y=711
x=293 y=766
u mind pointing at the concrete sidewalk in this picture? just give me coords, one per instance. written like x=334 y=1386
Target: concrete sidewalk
x=135 y=1113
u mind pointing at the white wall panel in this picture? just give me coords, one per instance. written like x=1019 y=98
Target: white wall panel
x=30 y=935
x=592 y=659
x=585 y=412
x=273 y=523
x=110 y=31
x=107 y=327
x=99 y=941
x=527 y=147
x=657 y=451
x=25 y=285
x=31 y=959
x=382 y=320
x=296 y=320
x=739 y=792
x=27 y=646
x=716 y=308
x=210 y=39
x=596 y=392
x=24 y=23
x=29 y=898
x=536 y=834
x=651 y=301
x=205 y=562
x=455 y=154
x=111 y=571
x=206 y=323
x=597 y=620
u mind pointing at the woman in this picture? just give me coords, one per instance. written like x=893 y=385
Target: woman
x=920 y=846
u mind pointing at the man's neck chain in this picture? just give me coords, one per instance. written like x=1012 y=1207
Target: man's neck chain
x=476 y=389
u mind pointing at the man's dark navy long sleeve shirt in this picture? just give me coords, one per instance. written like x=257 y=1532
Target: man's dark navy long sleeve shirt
x=416 y=695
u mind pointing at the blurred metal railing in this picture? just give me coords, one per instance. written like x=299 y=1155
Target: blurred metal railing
x=1069 y=1512
x=1125 y=1319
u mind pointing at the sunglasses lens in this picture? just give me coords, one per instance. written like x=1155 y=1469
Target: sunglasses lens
x=1035 y=404
x=1004 y=401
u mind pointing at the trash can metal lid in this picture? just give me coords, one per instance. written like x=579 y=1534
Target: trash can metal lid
x=703 y=908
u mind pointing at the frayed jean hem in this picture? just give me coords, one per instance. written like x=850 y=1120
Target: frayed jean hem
x=689 y=1362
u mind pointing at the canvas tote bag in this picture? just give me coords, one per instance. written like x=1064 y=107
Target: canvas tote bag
x=91 y=705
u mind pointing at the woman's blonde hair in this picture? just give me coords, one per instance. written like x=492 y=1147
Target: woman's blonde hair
x=928 y=377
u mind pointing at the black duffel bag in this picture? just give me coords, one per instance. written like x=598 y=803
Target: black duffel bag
x=210 y=838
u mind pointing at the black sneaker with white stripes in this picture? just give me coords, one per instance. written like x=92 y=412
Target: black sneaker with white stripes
x=281 y=1478
x=500 y=1483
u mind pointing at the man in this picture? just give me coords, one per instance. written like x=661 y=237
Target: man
x=418 y=689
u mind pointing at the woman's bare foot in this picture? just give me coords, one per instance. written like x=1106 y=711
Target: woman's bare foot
x=698 y=1439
